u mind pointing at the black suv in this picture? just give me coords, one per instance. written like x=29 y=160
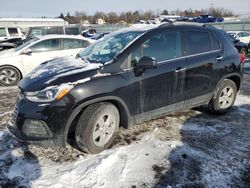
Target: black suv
x=129 y=76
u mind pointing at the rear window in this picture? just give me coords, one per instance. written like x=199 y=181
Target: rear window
x=13 y=31
x=198 y=42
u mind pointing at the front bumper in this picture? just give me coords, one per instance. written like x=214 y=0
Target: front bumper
x=42 y=125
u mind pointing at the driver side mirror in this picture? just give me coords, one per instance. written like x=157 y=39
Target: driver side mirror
x=144 y=64
x=27 y=51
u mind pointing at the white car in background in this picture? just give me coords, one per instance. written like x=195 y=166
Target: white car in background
x=17 y=63
x=7 y=33
x=243 y=36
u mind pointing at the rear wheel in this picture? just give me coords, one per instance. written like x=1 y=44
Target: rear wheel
x=9 y=76
x=97 y=127
x=224 y=97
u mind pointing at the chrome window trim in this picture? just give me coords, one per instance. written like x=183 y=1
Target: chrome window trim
x=179 y=58
x=188 y=56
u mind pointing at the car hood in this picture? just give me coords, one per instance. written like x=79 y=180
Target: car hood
x=58 y=71
x=7 y=53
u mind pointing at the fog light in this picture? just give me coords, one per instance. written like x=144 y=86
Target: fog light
x=36 y=128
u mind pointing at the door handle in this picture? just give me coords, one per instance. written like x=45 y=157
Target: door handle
x=219 y=58
x=180 y=69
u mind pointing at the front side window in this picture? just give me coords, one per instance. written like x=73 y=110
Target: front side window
x=198 y=42
x=245 y=34
x=162 y=47
x=3 y=32
x=13 y=31
x=107 y=48
x=46 y=45
x=74 y=43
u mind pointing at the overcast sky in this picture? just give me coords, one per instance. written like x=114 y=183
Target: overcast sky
x=52 y=8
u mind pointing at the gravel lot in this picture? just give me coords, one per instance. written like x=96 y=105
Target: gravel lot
x=204 y=150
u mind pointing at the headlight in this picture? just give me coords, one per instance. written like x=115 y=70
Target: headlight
x=49 y=94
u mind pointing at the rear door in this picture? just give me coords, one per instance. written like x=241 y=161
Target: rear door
x=203 y=52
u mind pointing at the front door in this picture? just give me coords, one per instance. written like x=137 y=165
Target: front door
x=161 y=89
x=42 y=51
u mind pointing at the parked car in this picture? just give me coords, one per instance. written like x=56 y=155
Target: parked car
x=10 y=33
x=206 y=18
x=129 y=76
x=243 y=36
x=92 y=34
x=240 y=46
x=37 y=32
x=17 y=63
x=42 y=31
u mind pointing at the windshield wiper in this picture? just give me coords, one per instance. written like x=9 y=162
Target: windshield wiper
x=84 y=59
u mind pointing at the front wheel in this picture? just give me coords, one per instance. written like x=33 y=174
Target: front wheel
x=224 y=97
x=97 y=127
x=9 y=76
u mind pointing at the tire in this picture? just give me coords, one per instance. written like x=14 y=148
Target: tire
x=243 y=51
x=9 y=76
x=224 y=97
x=93 y=123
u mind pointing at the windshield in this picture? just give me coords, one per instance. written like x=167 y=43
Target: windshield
x=107 y=48
x=25 y=44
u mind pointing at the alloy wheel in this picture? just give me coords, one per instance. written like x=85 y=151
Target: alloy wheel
x=226 y=97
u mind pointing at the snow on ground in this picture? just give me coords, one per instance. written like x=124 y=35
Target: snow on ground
x=186 y=149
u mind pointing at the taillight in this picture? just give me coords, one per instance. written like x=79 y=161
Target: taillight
x=242 y=57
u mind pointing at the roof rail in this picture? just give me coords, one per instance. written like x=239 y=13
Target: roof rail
x=193 y=23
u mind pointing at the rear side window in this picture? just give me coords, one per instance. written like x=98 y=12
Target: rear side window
x=198 y=42
x=74 y=43
x=3 y=32
x=13 y=31
x=46 y=45
x=215 y=43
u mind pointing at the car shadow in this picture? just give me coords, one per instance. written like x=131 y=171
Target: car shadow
x=18 y=166
x=214 y=152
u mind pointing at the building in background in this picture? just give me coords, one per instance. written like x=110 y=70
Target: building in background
x=24 y=23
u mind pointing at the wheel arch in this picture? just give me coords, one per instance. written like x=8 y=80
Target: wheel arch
x=125 y=116
x=235 y=77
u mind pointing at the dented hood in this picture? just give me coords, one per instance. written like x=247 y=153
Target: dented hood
x=58 y=71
